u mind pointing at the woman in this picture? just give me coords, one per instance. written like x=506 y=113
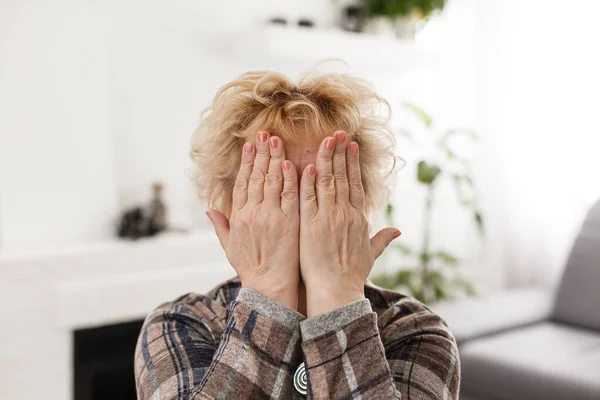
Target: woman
x=292 y=171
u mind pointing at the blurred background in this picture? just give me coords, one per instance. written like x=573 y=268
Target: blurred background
x=494 y=105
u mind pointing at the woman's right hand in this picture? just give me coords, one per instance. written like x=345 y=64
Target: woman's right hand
x=260 y=238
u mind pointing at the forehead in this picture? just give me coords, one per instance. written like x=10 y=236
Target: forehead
x=303 y=153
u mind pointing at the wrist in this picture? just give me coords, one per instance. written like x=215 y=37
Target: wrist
x=321 y=300
x=286 y=295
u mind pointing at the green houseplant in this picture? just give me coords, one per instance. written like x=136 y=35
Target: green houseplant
x=433 y=274
x=394 y=8
x=403 y=16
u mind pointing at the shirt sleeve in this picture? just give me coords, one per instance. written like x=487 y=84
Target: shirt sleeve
x=406 y=353
x=183 y=354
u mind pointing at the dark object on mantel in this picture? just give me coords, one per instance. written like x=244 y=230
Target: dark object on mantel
x=137 y=223
x=158 y=211
x=278 y=21
x=353 y=19
x=133 y=224
x=302 y=22
x=306 y=23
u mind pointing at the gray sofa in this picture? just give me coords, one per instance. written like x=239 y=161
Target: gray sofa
x=531 y=344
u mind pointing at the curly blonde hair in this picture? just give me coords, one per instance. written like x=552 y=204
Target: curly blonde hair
x=314 y=108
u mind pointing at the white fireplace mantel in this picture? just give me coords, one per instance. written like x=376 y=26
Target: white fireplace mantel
x=47 y=295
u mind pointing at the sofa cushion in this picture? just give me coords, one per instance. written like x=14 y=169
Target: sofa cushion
x=545 y=361
x=578 y=296
x=474 y=317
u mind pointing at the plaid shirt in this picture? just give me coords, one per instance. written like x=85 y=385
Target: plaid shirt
x=235 y=343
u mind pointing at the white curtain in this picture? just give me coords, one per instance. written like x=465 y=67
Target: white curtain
x=538 y=88
x=524 y=74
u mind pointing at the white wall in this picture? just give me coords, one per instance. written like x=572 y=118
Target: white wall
x=539 y=94
x=99 y=99
x=57 y=170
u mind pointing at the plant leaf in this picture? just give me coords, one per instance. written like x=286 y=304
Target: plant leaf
x=404 y=277
x=449 y=153
x=468 y=287
x=403 y=248
x=383 y=280
x=389 y=209
x=460 y=178
x=427 y=173
x=446 y=258
x=419 y=113
x=479 y=222
x=439 y=285
x=435 y=277
x=416 y=291
x=440 y=293
x=452 y=155
x=463 y=199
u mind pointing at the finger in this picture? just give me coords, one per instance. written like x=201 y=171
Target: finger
x=259 y=171
x=221 y=225
x=289 y=195
x=339 y=169
x=263 y=153
x=274 y=178
x=308 y=196
x=357 y=194
x=240 y=190
x=325 y=183
x=382 y=239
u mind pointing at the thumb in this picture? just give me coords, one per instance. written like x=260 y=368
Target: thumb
x=382 y=239
x=221 y=225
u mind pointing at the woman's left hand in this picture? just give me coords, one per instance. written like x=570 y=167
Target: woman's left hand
x=336 y=254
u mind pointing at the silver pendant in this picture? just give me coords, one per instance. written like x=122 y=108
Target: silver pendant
x=300 y=380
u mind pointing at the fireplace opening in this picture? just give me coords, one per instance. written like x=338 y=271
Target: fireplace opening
x=103 y=362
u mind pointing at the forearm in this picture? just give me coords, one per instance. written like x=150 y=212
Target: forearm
x=407 y=352
x=258 y=352
x=344 y=346
x=253 y=358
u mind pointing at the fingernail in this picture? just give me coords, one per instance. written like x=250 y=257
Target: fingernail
x=396 y=234
x=274 y=143
x=310 y=169
x=262 y=137
x=287 y=165
x=209 y=217
x=340 y=136
x=354 y=147
x=248 y=147
x=330 y=143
